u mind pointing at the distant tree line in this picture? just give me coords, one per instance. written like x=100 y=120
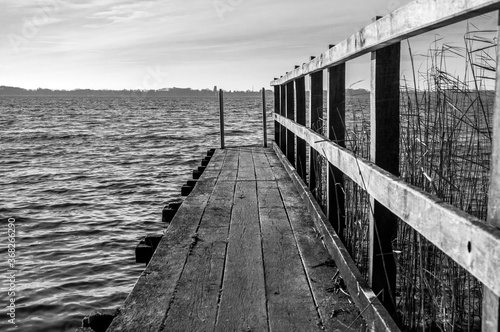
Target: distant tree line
x=168 y=92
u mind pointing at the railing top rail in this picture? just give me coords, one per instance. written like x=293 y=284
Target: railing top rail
x=410 y=20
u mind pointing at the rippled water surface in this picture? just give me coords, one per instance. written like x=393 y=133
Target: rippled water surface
x=85 y=179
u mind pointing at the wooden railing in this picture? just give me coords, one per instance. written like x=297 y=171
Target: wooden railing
x=472 y=243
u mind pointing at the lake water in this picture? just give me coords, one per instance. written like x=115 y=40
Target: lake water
x=85 y=179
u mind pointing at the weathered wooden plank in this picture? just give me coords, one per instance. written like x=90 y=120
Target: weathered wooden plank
x=194 y=306
x=263 y=171
x=221 y=118
x=384 y=152
x=290 y=113
x=264 y=117
x=491 y=301
x=300 y=111
x=146 y=306
x=316 y=123
x=276 y=110
x=243 y=299
x=283 y=113
x=336 y=310
x=335 y=208
x=373 y=311
x=289 y=300
x=450 y=229
x=410 y=20
x=246 y=169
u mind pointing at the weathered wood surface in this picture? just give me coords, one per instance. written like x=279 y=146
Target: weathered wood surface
x=384 y=152
x=377 y=317
x=410 y=20
x=450 y=229
x=336 y=132
x=241 y=254
x=491 y=301
x=300 y=110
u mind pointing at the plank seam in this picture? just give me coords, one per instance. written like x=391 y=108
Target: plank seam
x=219 y=297
x=262 y=248
x=172 y=299
x=311 y=291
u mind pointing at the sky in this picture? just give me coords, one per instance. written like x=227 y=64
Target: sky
x=140 y=44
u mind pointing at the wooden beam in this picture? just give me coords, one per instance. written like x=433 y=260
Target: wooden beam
x=221 y=118
x=467 y=240
x=410 y=20
x=300 y=111
x=316 y=123
x=384 y=152
x=283 y=113
x=491 y=301
x=277 y=111
x=290 y=114
x=264 y=117
x=376 y=316
x=335 y=209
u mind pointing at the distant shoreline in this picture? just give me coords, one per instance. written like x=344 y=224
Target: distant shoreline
x=7 y=91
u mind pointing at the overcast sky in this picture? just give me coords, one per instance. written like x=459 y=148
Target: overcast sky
x=134 y=44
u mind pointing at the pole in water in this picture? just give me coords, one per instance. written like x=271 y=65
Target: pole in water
x=264 y=117
x=221 y=104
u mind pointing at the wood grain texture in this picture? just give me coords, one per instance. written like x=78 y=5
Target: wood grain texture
x=290 y=114
x=194 y=306
x=316 y=123
x=491 y=301
x=335 y=208
x=410 y=20
x=300 y=111
x=290 y=303
x=243 y=300
x=384 y=152
x=155 y=287
x=376 y=316
x=447 y=227
x=283 y=113
x=276 y=110
x=336 y=310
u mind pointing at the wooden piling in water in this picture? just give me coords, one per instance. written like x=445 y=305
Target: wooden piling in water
x=221 y=118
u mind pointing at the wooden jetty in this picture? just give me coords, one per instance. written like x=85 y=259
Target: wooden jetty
x=241 y=254
x=250 y=248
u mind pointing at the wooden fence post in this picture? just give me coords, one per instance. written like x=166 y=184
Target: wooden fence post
x=290 y=110
x=221 y=117
x=283 y=113
x=316 y=122
x=277 y=111
x=491 y=302
x=336 y=133
x=384 y=152
x=264 y=117
x=300 y=111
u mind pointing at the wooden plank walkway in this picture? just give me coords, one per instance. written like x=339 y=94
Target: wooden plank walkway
x=241 y=254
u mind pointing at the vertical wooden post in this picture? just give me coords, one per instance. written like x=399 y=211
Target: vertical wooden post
x=336 y=133
x=300 y=114
x=221 y=115
x=290 y=110
x=277 y=111
x=316 y=121
x=491 y=302
x=384 y=152
x=283 y=113
x=264 y=116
